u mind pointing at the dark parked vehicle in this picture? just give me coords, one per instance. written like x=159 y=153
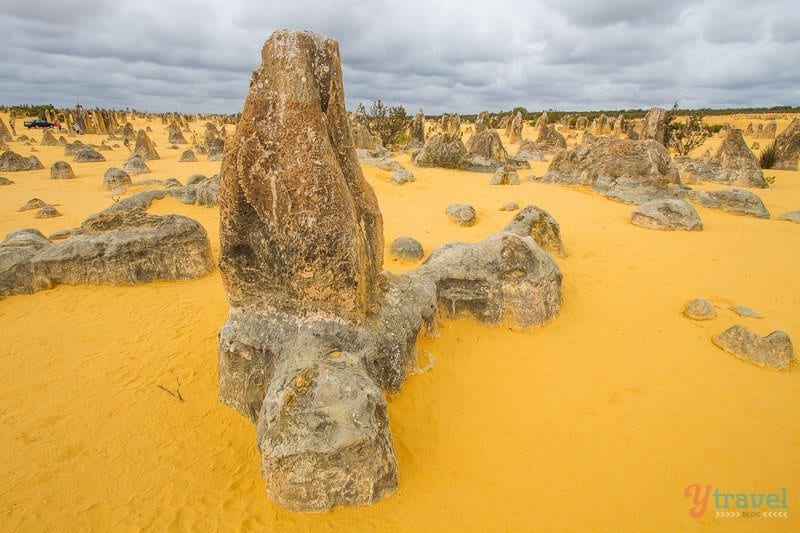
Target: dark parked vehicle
x=37 y=123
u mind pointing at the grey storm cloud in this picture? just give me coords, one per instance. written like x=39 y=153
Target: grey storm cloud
x=461 y=56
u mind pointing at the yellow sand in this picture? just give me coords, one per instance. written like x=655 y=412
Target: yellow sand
x=597 y=421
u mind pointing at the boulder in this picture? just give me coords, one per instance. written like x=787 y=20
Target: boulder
x=537 y=223
x=485 y=153
x=530 y=150
x=773 y=351
x=443 y=150
x=745 y=312
x=505 y=176
x=5 y=181
x=787 y=147
x=791 y=216
x=667 y=215
x=699 y=309
x=511 y=206
x=135 y=165
x=462 y=214
x=60 y=170
x=401 y=176
x=13 y=162
x=734 y=201
x=482 y=122
x=107 y=249
x=71 y=149
x=144 y=147
x=48 y=139
x=114 y=178
x=406 y=249
x=88 y=155
x=207 y=192
x=47 y=211
x=33 y=203
x=187 y=157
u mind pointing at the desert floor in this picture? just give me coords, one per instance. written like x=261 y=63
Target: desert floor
x=596 y=421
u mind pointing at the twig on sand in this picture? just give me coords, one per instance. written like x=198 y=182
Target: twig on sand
x=177 y=394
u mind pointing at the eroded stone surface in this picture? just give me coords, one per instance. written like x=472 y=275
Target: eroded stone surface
x=774 y=350
x=667 y=215
x=699 y=309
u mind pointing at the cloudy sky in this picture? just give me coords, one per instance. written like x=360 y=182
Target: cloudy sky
x=463 y=56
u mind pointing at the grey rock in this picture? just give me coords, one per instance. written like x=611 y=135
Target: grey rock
x=5 y=181
x=699 y=309
x=505 y=176
x=745 y=312
x=88 y=155
x=444 y=150
x=187 y=157
x=114 y=178
x=406 y=248
x=667 y=215
x=60 y=170
x=791 y=216
x=734 y=201
x=208 y=192
x=47 y=211
x=402 y=176
x=462 y=214
x=511 y=206
x=530 y=150
x=135 y=165
x=214 y=149
x=33 y=203
x=773 y=351
x=541 y=226
x=139 y=200
x=13 y=162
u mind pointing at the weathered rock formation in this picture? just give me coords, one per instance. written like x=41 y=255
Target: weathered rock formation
x=537 y=223
x=655 y=126
x=483 y=121
x=417 y=130
x=406 y=249
x=515 y=128
x=114 y=178
x=787 y=147
x=773 y=351
x=88 y=155
x=733 y=164
x=485 y=153
x=144 y=147
x=667 y=215
x=550 y=141
x=530 y=151
x=123 y=248
x=462 y=214
x=505 y=176
x=60 y=170
x=174 y=135
x=316 y=328
x=13 y=162
x=699 y=309
x=135 y=165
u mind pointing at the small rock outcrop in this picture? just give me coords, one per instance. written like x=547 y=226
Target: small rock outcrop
x=88 y=155
x=60 y=170
x=699 y=309
x=485 y=153
x=401 y=176
x=733 y=164
x=406 y=249
x=144 y=147
x=505 y=176
x=124 y=248
x=791 y=216
x=47 y=211
x=655 y=126
x=135 y=165
x=174 y=135
x=115 y=178
x=550 y=141
x=443 y=150
x=530 y=150
x=745 y=312
x=773 y=351
x=13 y=162
x=462 y=214
x=787 y=147
x=667 y=215
x=187 y=156
x=535 y=222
